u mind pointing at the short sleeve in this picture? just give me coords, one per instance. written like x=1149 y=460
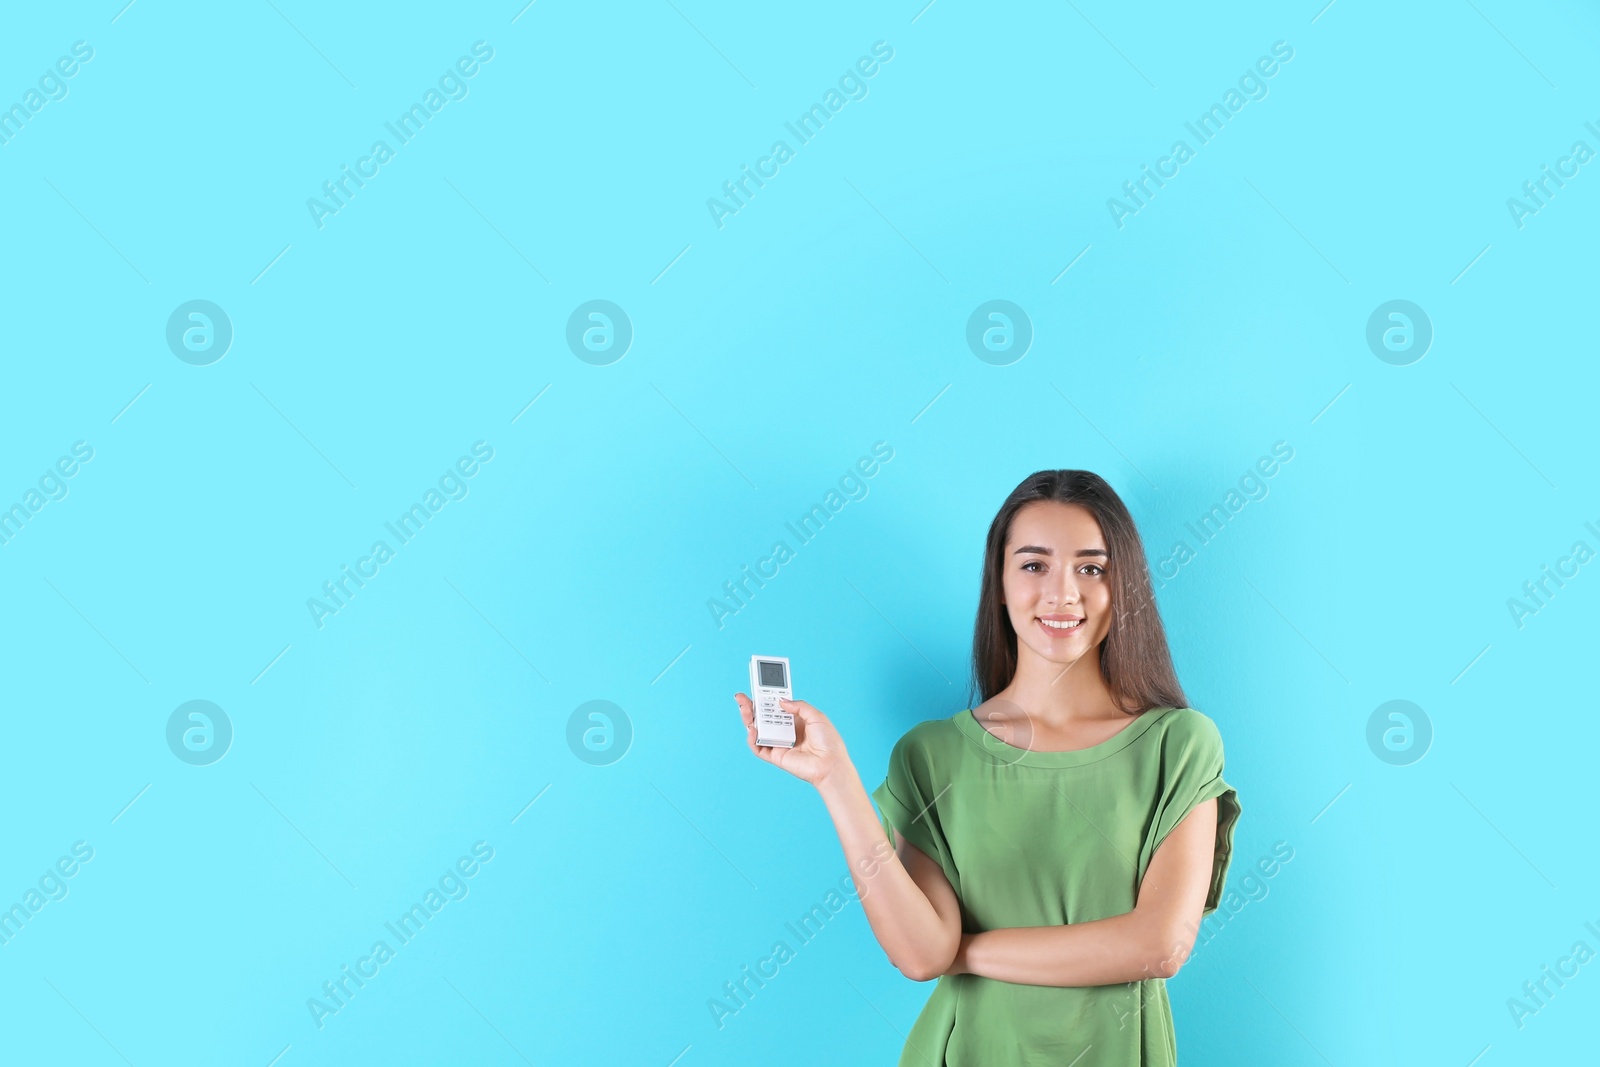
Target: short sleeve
x=1191 y=774
x=906 y=799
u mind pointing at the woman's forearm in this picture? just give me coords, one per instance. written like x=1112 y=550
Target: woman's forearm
x=1151 y=941
x=904 y=921
x=1121 y=948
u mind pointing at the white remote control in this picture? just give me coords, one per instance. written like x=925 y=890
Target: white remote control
x=770 y=681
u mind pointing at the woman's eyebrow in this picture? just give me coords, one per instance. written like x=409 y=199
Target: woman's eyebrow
x=1043 y=551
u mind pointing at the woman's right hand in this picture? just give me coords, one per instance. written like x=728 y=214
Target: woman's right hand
x=818 y=749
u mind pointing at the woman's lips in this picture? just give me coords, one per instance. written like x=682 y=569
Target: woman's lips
x=1056 y=631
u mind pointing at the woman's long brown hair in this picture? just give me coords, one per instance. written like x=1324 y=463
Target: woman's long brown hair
x=1134 y=659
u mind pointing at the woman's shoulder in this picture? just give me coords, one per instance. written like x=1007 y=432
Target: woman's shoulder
x=931 y=734
x=1186 y=726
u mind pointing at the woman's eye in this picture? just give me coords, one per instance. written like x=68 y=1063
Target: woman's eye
x=1032 y=563
x=1095 y=568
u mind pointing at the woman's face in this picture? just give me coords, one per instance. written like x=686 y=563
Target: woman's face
x=1055 y=571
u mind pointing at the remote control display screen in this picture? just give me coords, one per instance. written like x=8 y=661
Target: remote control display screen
x=771 y=672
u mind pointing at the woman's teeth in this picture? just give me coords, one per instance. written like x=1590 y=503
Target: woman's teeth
x=1073 y=625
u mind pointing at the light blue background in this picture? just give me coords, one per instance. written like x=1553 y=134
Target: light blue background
x=829 y=313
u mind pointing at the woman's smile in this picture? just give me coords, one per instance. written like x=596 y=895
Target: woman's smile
x=1060 y=625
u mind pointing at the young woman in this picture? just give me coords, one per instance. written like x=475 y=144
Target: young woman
x=1056 y=847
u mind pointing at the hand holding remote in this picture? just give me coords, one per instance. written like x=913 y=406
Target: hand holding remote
x=818 y=750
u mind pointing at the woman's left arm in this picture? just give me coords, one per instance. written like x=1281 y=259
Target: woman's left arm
x=1151 y=941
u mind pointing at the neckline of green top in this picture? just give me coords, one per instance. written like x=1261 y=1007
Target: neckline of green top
x=1010 y=755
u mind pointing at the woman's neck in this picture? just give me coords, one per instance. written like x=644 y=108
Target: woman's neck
x=1057 y=694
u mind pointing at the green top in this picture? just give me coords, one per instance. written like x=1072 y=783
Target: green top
x=1045 y=839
